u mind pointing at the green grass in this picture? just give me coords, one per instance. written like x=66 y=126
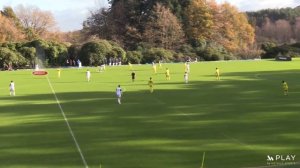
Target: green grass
x=237 y=121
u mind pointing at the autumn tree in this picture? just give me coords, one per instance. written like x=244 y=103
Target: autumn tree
x=233 y=31
x=297 y=29
x=270 y=22
x=8 y=31
x=98 y=24
x=9 y=13
x=283 y=31
x=163 y=29
x=35 y=21
x=199 y=20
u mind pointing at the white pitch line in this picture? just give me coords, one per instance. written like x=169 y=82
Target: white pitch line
x=69 y=127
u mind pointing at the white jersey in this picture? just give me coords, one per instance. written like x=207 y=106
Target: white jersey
x=188 y=68
x=88 y=74
x=12 y=86
x=186 y=77
x=119 y=91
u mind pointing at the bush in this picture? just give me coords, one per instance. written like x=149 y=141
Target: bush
x=157 y=54
x=118 y=52
x=134 y=57
x=9 y=57
x=179 y=57
x=29 y=53
x=93 y=53
x=214 y=52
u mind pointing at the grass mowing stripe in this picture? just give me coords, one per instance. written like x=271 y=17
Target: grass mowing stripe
x=67 y=122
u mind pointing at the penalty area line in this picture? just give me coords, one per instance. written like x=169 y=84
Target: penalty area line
x=67 y=122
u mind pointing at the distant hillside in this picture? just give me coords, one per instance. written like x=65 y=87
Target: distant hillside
x=277 y=25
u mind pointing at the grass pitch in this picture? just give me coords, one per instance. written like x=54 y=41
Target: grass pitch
x=237 y=121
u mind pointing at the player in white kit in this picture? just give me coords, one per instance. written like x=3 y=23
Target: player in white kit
x=186 y=77
x=119 y=93
x=88 y=75
x=12 y=88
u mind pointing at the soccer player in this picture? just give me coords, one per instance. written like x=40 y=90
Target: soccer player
x=88 y=75
x=150 y=83
x=188 y=67
x=154 y=67
x=168 y=77
x=102 y=68
x=79 y=64
x=130 y=66
x=285 y=88
x=133 y=76
x=218 y=73
x=58 y=73
x=119 y=93
x=160 y=64
x=37 y=67
x=186 y=77
x=12 y=88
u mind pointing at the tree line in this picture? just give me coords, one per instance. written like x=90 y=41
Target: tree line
x=193 y=28
x=276 y=25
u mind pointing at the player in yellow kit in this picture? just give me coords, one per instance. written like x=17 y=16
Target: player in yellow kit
x=218 y=73
x=168 y=77
x=58 y=73
x=160 y=65
x=285 y=88
x=151 y=83
x=130 y=66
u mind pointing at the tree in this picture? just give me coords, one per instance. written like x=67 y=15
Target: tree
x=34 y=20
x=199 y=20
x=9 y=13
x=8 y=32
x=10 y=58
x=30 y=54
x=94 y=53
x=233 y=30
x=297 y=29
x=270 y=23
x=98 y=24
x=163 y=29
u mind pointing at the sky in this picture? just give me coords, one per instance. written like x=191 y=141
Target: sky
x=70 y=14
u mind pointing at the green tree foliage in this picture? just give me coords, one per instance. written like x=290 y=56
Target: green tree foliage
x=51 y=53
x=271 y=50
x=98 y=52
x=29 y=53
x=157 y=54
x=258 y=18
x=134 y=57
x=11 y=58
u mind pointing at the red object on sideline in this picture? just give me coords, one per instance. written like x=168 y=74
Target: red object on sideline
x=39 y=72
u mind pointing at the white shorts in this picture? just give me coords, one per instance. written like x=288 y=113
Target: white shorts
x=119 y=95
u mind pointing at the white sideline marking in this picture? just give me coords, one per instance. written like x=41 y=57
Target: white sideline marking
x=69 y=127
x=257 y=75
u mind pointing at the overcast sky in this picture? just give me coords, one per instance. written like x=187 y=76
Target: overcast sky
x=70 y=14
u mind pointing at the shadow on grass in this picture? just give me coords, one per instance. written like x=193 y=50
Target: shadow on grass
x=236 y=122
